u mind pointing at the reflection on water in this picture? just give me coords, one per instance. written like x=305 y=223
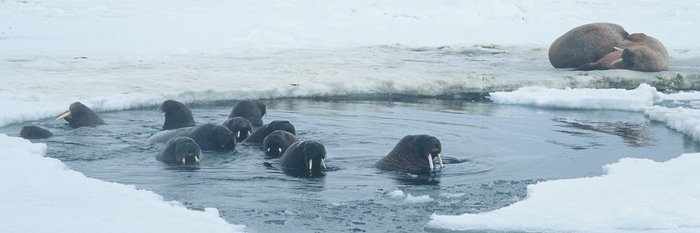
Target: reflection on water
x=492 y=152
x=632 y=133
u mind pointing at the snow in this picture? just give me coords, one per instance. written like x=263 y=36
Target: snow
x=634 y=195
x=41 y=194
x=114 y=55
x=583 y=98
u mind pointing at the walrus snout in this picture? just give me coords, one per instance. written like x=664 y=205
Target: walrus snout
x=314 y=153
x=192 y=157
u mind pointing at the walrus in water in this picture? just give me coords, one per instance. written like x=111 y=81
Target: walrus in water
x=79 y=115
x=277 y=143
x=252 y=110
x=304 y=156
x=239 y=126
x=207 y=136
x=34 y=132
x=259 y=135
x=413 y=154
x=600 y=46
x=177 y=115
x=181 y=150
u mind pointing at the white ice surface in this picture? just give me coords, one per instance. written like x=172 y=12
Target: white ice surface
x=633 y=195
x=115 y=55
x=40 y=194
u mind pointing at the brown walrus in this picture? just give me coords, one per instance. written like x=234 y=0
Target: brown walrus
x=413 y=154
x=600 y=46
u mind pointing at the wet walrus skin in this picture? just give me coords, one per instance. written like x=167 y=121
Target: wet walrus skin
x=177 y=115
x=207 y=136
x=181 y=151
x=306 y=156
x=252 y=110
x=277 y=143
x=413 y=154
x=79 y=115
x=239 y=126
x=34 y=132
x=259 y=135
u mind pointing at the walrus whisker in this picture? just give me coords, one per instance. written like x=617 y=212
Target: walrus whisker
x=440 y=159
x=323 y=163
x=430 y=162
x=618 y=48
x=311 y=164
x=62 y=115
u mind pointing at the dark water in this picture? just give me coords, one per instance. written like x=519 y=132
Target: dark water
x=500 y=148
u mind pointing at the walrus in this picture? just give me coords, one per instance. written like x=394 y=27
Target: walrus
x=181 y=150
x=304 y=156
x=239 y=126
x=585 y=44
x=413 y=154
x=177 y=115
x=252 y=110
x=207 y=136
x=599 y=46
x=79 y=115
x=259 y=135
x=637 y=52
x=277 y=143
x=34 y=132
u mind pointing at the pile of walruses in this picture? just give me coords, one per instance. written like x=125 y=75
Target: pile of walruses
x=595 y=46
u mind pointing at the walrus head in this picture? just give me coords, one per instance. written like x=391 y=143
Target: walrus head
x=184 y=151
x=239 y=126
x=314 y=155
x=252 y=110
x=79 y=115
x=177 y=115
x=431 y=148
x=281 y=125
x=413 y=154
x=224 y=138
x=277 y=142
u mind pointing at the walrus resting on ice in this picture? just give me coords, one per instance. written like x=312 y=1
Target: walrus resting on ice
x=601 y=46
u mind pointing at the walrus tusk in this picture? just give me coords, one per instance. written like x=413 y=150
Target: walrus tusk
x=247 y=133
x=196 y=159
x=62 y=115
x=618 y=48
x=440 y=159
x=280 y=150
x=238 y=134
x=268 y=149
x=183 y=161
x=323 y=163
x=614 y=63
x=311 y=164
x=430 y=162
